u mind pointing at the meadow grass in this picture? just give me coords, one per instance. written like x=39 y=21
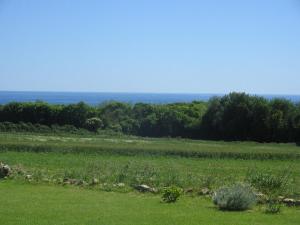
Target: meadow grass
x=147 y=146
x=188 y=164
x=159 y=170
x=29 y=204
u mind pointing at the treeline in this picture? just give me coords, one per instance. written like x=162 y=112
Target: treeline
x=236 y=116
x=180 y=119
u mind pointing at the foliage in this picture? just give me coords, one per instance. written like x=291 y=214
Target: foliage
x=93 y=124
x=239 y=116
x=269 y=182
x=237 y=197
x=236 y=116
x=39 y=128
x=273 y=207
x=171 y=194
x=156 y=162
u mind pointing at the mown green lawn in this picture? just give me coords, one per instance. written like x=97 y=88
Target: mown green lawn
x=28 y=204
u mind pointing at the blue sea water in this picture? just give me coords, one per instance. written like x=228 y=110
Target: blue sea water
x=100 y=97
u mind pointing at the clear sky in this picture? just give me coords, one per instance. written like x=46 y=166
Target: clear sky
x=187 y=46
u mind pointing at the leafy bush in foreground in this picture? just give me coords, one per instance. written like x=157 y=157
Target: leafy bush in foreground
x=171 y=194
x=236 y=198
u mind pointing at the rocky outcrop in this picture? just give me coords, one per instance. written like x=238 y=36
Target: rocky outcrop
x=5 y=170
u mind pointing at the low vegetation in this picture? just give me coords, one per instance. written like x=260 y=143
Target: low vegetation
x=236 y=116
x=273 y=207
x=238 y=197
x=150 y=169
x=171 y=194
x=48 y=204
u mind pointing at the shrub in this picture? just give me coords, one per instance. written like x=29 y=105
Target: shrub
x=236 y=197
x=273 y=207
x=4 y=170
x=267 y=182
x=171 y=194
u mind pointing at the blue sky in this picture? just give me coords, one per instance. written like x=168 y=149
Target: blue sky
x=187 y=46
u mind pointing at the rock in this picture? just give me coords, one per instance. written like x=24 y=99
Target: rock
x=70 y=181
x=204 y=191
x=74 y=181
x=280 y=198
x=82 y=182
x=94 y=181
x=261 y=198
x=289 y=201
x=189 y=190
x=28 y=177
x=120 y=185
x=60 y=181
x=46 y=180
x=145 y=188
x=5 y=170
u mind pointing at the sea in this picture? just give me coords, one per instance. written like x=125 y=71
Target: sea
x=96 y=98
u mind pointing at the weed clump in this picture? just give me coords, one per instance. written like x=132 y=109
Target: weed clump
x=269 y=183
x=171 y=194
x=238 y=197
x=273 y=207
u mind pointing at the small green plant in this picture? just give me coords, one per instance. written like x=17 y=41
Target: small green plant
x=273 y=207
x=171 y=194
x=234 y=198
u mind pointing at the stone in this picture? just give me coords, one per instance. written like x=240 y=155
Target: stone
x=121 y=185
x=82 y=182
x=5 y=170
x=289 y=201
x=145 y=188
x=280 y=198
x=28 y=177
x=70 y=181
x=261 y=198
x=189 y=190
x=94 y=181
x=204 y=191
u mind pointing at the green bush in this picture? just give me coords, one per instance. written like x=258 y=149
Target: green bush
x=273 y=207
x=236 y=198
x=171 y=194
x=269 y=183
x=4 y=170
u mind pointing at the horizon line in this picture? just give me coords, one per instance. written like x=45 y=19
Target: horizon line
x=157 y=93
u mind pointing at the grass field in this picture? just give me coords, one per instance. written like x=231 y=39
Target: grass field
x=147 y=146
x=29 y=204
x=131 y=160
